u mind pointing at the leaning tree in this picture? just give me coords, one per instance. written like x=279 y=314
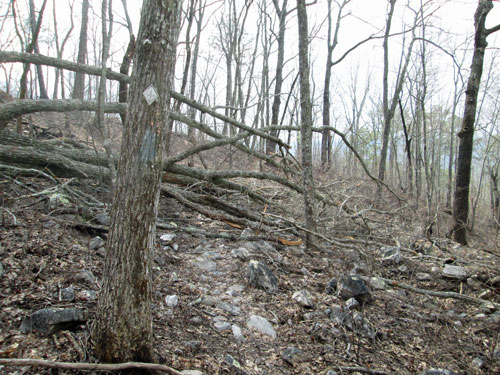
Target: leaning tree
x=466 y=134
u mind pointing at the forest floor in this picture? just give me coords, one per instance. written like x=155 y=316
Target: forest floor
x=46 y=243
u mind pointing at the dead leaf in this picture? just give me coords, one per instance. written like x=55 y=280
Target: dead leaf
x=234 y=225
x=290 y=243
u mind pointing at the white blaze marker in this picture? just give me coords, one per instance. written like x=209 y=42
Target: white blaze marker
x=150 y=94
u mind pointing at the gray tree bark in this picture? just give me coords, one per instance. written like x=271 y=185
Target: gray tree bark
x=123 y=330
x=466 y=134
x=39 y=71
x=79 y=83
x=306 y=121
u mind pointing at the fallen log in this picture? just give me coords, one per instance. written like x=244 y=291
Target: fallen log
x=15 y=108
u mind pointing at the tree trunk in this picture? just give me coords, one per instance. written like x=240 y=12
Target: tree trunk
x=39 y=71
x=466 y=134
x=123 y=330
x=24 y=77
x=275 y=111
x=389 y=108
x=79 y=84
x=306 y=121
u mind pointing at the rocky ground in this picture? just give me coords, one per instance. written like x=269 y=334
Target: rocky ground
x=248 y=307
x=226 y=303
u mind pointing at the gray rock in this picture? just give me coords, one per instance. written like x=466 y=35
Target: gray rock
x=222 y=326
x=351 y=303
x=265 y=246
x=50 y=224
x=238 y=336
x=331 y=372
x=297 y=251
x=232 y=362
x=167 y=238
x=437 y=371
x=331 y=286
x=1 y=270
x=474 y=282
x=95 y=243
x=247 y=232
x=229 y=308
x=215 y=255
x=193 y=345
x=87 y=295
x=478 y=362
x=391 y=255
x=196 y=320
x=160 y=260
x=306 y=272
x=103 y=219
x=67 y=294
x=377 y=284
x=303 y=298
x=422 y=276
x=402 y=268
x=359 y=269
x=353 y=320
x=235 y=290
x=101 y=252
x=454 y=272
x=205 y=264
x=487 y=307
x=496 y=355
x=354 y=286
x=495 y=318
x=50 y=320
x=192 y=372
x=261 y=325
x=172 y=300
x=86 y=277
x=260 y=276
x=293 y=355
x=200 y=249
x=485 y=294
x=240 y=253
x=495 y=282
x=314 y=315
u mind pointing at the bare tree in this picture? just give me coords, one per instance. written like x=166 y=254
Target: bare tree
x=326 y=139
x=123 y=330
x=34 y=25
x=79 y=83
x=281 y=11
x=60 y=47
x=389 y=105
x=466 y=134
x=29 y=49
x=306 y=121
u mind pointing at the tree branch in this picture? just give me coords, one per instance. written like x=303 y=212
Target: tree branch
x=88 y=366
x=7 y=56
x=433 y=293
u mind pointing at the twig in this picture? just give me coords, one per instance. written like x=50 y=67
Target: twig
x=434 y=293
x=11 y=214
x=329 y=240
x=87 y=366
x=361 y=369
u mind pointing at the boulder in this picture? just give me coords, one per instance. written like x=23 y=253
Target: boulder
x=50 y=320
x=353 y=286
x=261 y=325
x=454 y=272
x=260 y=276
